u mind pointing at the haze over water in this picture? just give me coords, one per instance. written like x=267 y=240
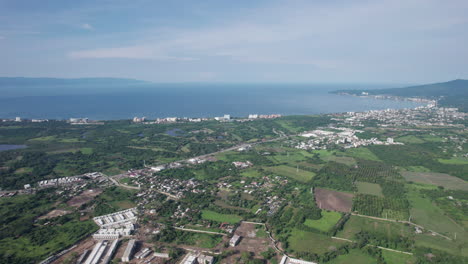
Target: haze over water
x=195 y=100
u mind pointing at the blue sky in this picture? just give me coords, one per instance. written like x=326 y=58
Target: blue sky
x=335 y=41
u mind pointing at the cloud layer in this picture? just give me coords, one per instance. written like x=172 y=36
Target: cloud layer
x=397 y=40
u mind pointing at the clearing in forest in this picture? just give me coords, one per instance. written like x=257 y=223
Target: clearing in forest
x=333 y=200
x=369 y=188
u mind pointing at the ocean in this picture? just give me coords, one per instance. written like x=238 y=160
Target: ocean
x=195 y=100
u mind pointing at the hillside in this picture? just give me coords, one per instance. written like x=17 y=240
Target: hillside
x=450 y=94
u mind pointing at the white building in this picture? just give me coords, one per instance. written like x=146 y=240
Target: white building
x=127 y=256
x=234 y=240
x=288 y=260
x=197 y=258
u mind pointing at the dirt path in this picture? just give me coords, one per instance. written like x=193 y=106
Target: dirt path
x=199 y=231
x=389 y=249
x=404 y=222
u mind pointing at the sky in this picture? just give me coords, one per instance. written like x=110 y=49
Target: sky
x=327 y=41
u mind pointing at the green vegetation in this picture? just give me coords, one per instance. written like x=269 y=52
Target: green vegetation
x=114 y=199
x=369 y=188
x=303 y=241
x=454 y=161
x=357 y=224
x=436 y=179
x=361 y=153
x=354 y=256
x=410 y=139
x=221 y=218
x=392 y=208
x=397 y=258
x=423 y=181
x=202 y=240
x=290 y=172
x=23 y=241
x=429 y=215
x=324 y=224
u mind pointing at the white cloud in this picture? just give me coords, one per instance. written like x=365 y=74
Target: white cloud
x=352 y=35
x=87 y=26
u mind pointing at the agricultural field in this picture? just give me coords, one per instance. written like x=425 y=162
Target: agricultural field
x=324 y=224
x=369 y=188
x=361 y=153
x=201 y=240
x=454 y=161
x=251 y=173
x=356 y=224
x=333 y=200
x=290 y=172
x=384 y=207
x=410 y=139
x=342 y=159
x=221 y=218
x=303 y=241
x=429 y=215
x=437 y=179
x=397 y=258
x=354 y=256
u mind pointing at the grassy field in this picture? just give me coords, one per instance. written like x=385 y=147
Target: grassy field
x=369 y=188
x=251 y=173
x=410 y=139
x=328 y=220
x=217 y=217
x=357 y=224
x=43 y=139
x=361 y=153
x=290 y=155
x=456 y=248
x=427 y=214
x=437 y=179
x=302 y=241
x=417 y=169
x=201 y=240
x=87 y=151
x=290 y=172
x=62 y=236
x=354 y=256
x=397 y=258
x=454 y=161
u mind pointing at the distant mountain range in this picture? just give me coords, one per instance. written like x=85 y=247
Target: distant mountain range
x=450 y=94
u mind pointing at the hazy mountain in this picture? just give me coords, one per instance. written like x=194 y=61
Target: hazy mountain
x=451 y=94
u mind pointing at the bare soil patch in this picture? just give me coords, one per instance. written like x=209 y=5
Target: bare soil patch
x=86 y=244
x=84 y=197
x=54 y=213
x=333 y=200
x=249 y=243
